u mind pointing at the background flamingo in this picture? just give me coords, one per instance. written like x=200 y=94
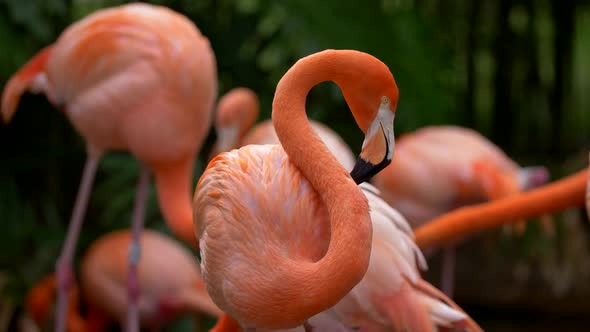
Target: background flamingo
x=237 y=111
x=170 y=285
x=140 y=78
x=438 y=169
x=391 y=294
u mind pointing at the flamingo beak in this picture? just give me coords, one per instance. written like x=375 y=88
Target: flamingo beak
x=378 y=146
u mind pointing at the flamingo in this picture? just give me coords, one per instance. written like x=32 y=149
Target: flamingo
x=170 y=285
x=445 y=167
x=236 y=114
x=412 y=302
x=136 y=77
x=284 y=231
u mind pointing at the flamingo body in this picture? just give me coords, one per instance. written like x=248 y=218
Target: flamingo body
x=117 y=63
x=299 y=229
x=169 y=280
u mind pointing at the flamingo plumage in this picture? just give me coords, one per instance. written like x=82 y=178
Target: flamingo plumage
x=139 y=78
x=170 y=285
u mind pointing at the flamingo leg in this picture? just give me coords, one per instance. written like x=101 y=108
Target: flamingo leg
x=64 y=272
x=135 y=250
x=448 y=270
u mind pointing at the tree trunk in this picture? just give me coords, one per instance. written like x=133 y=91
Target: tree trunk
x=564 y=17
x=502 y=120
x=471 y=48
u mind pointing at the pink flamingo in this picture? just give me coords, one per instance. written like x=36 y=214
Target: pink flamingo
x=286 y=234
x=170 y=285
x=236 y=113
x=136 y=77
x=445 y=167
x=412 y=302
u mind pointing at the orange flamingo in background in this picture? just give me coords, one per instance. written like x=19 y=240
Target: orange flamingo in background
x=237 y=111
x=438 y=169
x=274 y=224
x=410 y=302
x=140 y=78
x=170 y=285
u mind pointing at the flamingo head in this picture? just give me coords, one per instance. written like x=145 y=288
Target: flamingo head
x=372 y=95
x=379 y=142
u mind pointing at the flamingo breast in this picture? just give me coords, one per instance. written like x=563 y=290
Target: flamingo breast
x=252 y=207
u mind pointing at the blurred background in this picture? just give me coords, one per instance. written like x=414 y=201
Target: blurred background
x=516 y=71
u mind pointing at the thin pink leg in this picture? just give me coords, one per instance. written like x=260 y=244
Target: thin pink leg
x=135 y=249
x=448 y=271
x=64 y=272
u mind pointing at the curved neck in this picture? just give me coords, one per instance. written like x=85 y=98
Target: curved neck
x=173 y=184
x=551 y=198
x=347 y=258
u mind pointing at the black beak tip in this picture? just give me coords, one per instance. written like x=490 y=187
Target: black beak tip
x=363 y=170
